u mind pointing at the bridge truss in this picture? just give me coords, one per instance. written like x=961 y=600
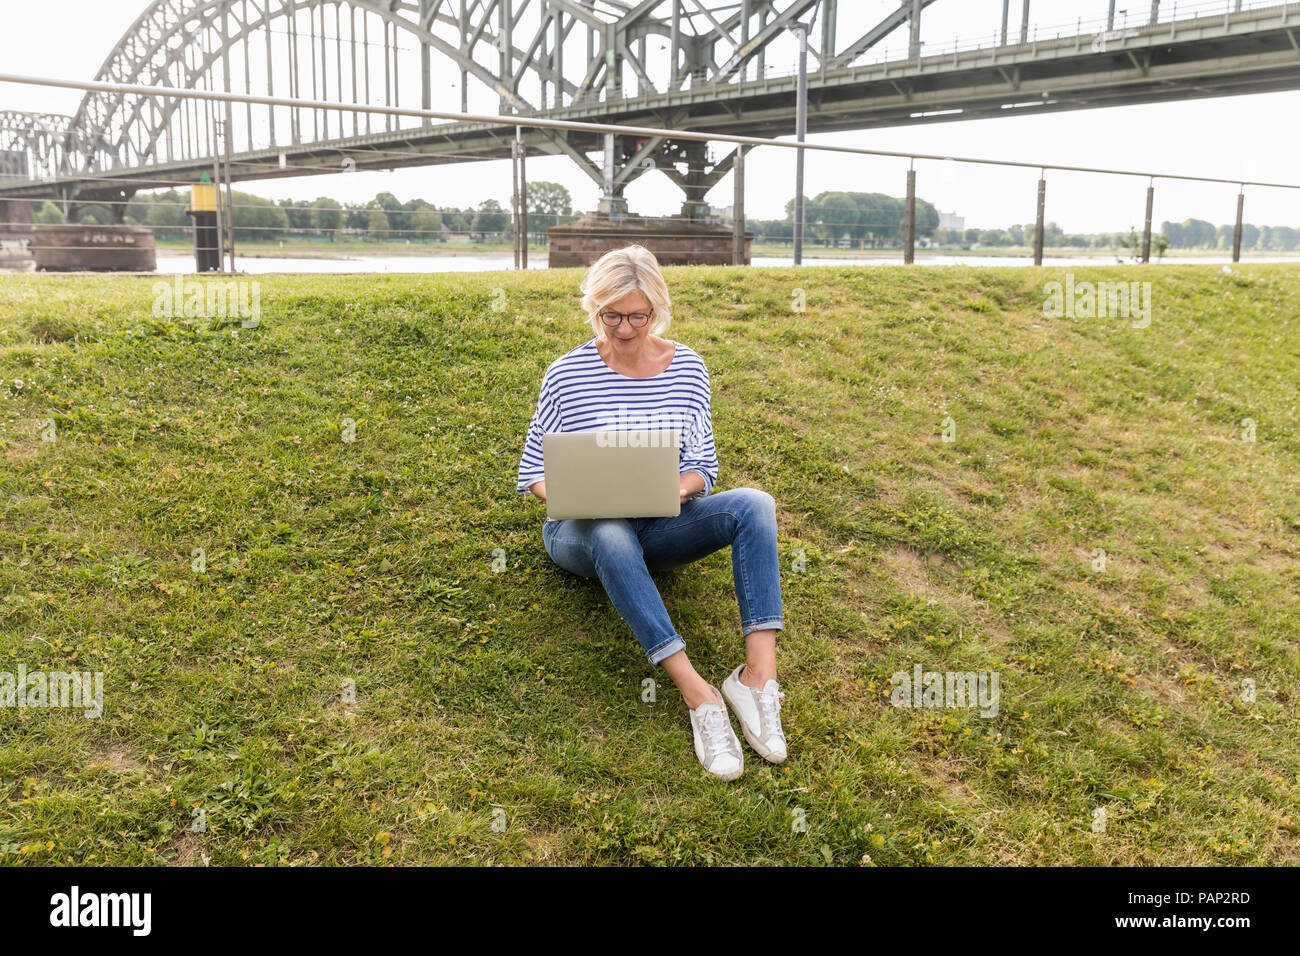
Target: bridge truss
x=670 y=64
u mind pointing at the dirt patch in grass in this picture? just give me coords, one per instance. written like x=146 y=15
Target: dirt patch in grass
x=118 y=760
x=1274 y=562
x=1166 y=688
x=189 y=850
x=911 y=569
x=946 y=776
x=921 y=575
x=22 y=439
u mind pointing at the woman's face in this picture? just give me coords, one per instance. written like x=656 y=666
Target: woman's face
x=625 y=338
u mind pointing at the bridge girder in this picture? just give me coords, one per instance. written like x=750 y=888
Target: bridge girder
x=214 y=44
x=714 y=79
x=201 y=43
x=33 y=143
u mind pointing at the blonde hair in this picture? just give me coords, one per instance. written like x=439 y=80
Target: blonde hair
x=621 y=272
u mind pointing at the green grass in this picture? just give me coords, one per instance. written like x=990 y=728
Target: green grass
x=371 y=562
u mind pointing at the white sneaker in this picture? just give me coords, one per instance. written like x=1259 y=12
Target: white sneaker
x=760 y=715
x=715 y=742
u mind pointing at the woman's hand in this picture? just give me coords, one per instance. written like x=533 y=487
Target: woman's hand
x=692 y=484
x=539 y=489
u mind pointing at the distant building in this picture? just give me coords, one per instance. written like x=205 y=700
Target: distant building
x=950 y=220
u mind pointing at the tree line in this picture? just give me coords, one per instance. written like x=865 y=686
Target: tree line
x=872 y=219
x=829 y=217
x=1199 y=234
x=1189 y=234
x=384 y=218
x=875 y=219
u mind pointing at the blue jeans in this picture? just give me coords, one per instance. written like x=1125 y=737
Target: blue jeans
x=622 y=552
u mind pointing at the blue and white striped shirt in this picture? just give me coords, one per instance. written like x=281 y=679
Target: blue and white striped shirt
x=581 y=393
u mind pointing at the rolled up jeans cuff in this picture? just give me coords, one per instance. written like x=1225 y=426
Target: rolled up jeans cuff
x=774 y=624
x=667 y=649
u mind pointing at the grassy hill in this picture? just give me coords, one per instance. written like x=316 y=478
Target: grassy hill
x=350 y=680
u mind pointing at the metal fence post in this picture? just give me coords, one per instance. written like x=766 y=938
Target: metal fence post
x=523 y=203
x=230 y=201
x=738 y=210
x=801 y=131
x=1236 y=232
x=909 y=220
x=216 y=182
x=514 y=196
x=519 y=198
x=1146 y=231
x=1038 y=229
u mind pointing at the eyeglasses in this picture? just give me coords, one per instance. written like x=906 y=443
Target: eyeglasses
x=613 y=320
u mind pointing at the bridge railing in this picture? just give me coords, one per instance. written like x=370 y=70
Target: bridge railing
x=895 y=50
x=1170 y=14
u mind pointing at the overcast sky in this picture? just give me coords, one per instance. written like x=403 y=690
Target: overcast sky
x=1252 y=137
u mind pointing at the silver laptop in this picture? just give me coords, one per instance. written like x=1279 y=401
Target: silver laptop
x=612 y=474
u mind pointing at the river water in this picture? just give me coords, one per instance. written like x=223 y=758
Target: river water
x=184 y=264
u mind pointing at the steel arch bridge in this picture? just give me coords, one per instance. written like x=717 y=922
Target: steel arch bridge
x=360 y=51
x=678 y=64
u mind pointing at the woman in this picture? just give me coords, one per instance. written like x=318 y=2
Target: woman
x=626 y=378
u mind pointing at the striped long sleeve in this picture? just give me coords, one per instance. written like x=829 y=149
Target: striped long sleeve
x=546 y=418
x=579 y=392
x=698 y=451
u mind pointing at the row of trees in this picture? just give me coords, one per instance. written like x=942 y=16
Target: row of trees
x=1199 y=234
x=876 y=219
x=383 y=218
x=872 y=218
x=1022 y=235
x=1192 y=234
